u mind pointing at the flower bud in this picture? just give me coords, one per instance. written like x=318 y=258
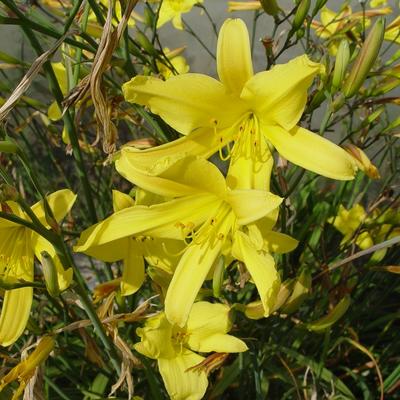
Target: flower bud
x=342 y=59
x=301 y=290
x=149 y=16
x=300 y=15
x=6 y=146
x=318 y=5
x=50 y=274
x=145 y=43
x=270 y=7
x=365 y=59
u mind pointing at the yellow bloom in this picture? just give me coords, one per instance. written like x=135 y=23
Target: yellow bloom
x=25 y=370
x=172 y=10
x=18 y=246
x=177 y=61
x=175 y=348
x=392 y=31
x=133 y=249
x=334 y=26
x=355 y=225
x=254 y=111
x=216 y=219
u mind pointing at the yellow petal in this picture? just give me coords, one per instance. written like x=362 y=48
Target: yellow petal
x=251 y=205
x=60 y=203
x=61 y=75
x=186 y=102
x=192 y=270
x=262 y=269
x=188 y=278
x=311 y=151
x=278 y=96
x=202 y=143
x=26 y=368
x=121 y=200
x=186 y=176
x=275 y=242
x=164 y=253
x=156 y=338
x=207 y=326
x=53 y=112
x=234 y=63
x=181 y=382
x=160 y=220
x=39 y=244
x=133 y=272
x=15 y=314
x=251 y=171
x=208 y=318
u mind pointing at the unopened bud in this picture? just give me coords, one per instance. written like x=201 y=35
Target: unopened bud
x=218 y=276
x=318 y=5
x=342 y=60
x=145 y=43
x=6 y=146
x=149 y=17
x=50 y=274
x=365 y=59
x=301 y=291
x=362 y=161
x=300 y=15
x=270 y=7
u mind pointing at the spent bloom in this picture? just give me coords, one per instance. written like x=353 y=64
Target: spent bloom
x=19 y=245
x=176 y=348
x=254 y=111
x=212 y=218
x=26 y=369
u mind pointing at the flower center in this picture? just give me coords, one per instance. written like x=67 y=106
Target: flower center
x=247 y=139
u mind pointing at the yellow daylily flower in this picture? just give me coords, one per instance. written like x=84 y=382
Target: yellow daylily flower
x=392 y=31
x=133 y=250
x=253 y=111
x=18 y=246
x=205 y=210
x=334 y=26
x=178 y=63
x=370 y=229
x=25 y=370
x=172 y=10
x=175 y=349
x=94 y=29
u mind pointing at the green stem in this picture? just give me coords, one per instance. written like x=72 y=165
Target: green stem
x=69 y=125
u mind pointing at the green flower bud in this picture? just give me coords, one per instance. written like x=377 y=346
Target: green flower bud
x=318 y=5
x=50 y=274
x=145 y=43
x=365 y=59
x=301 y=14
x=342 y=60
x=270 y=7
x=6 y=146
